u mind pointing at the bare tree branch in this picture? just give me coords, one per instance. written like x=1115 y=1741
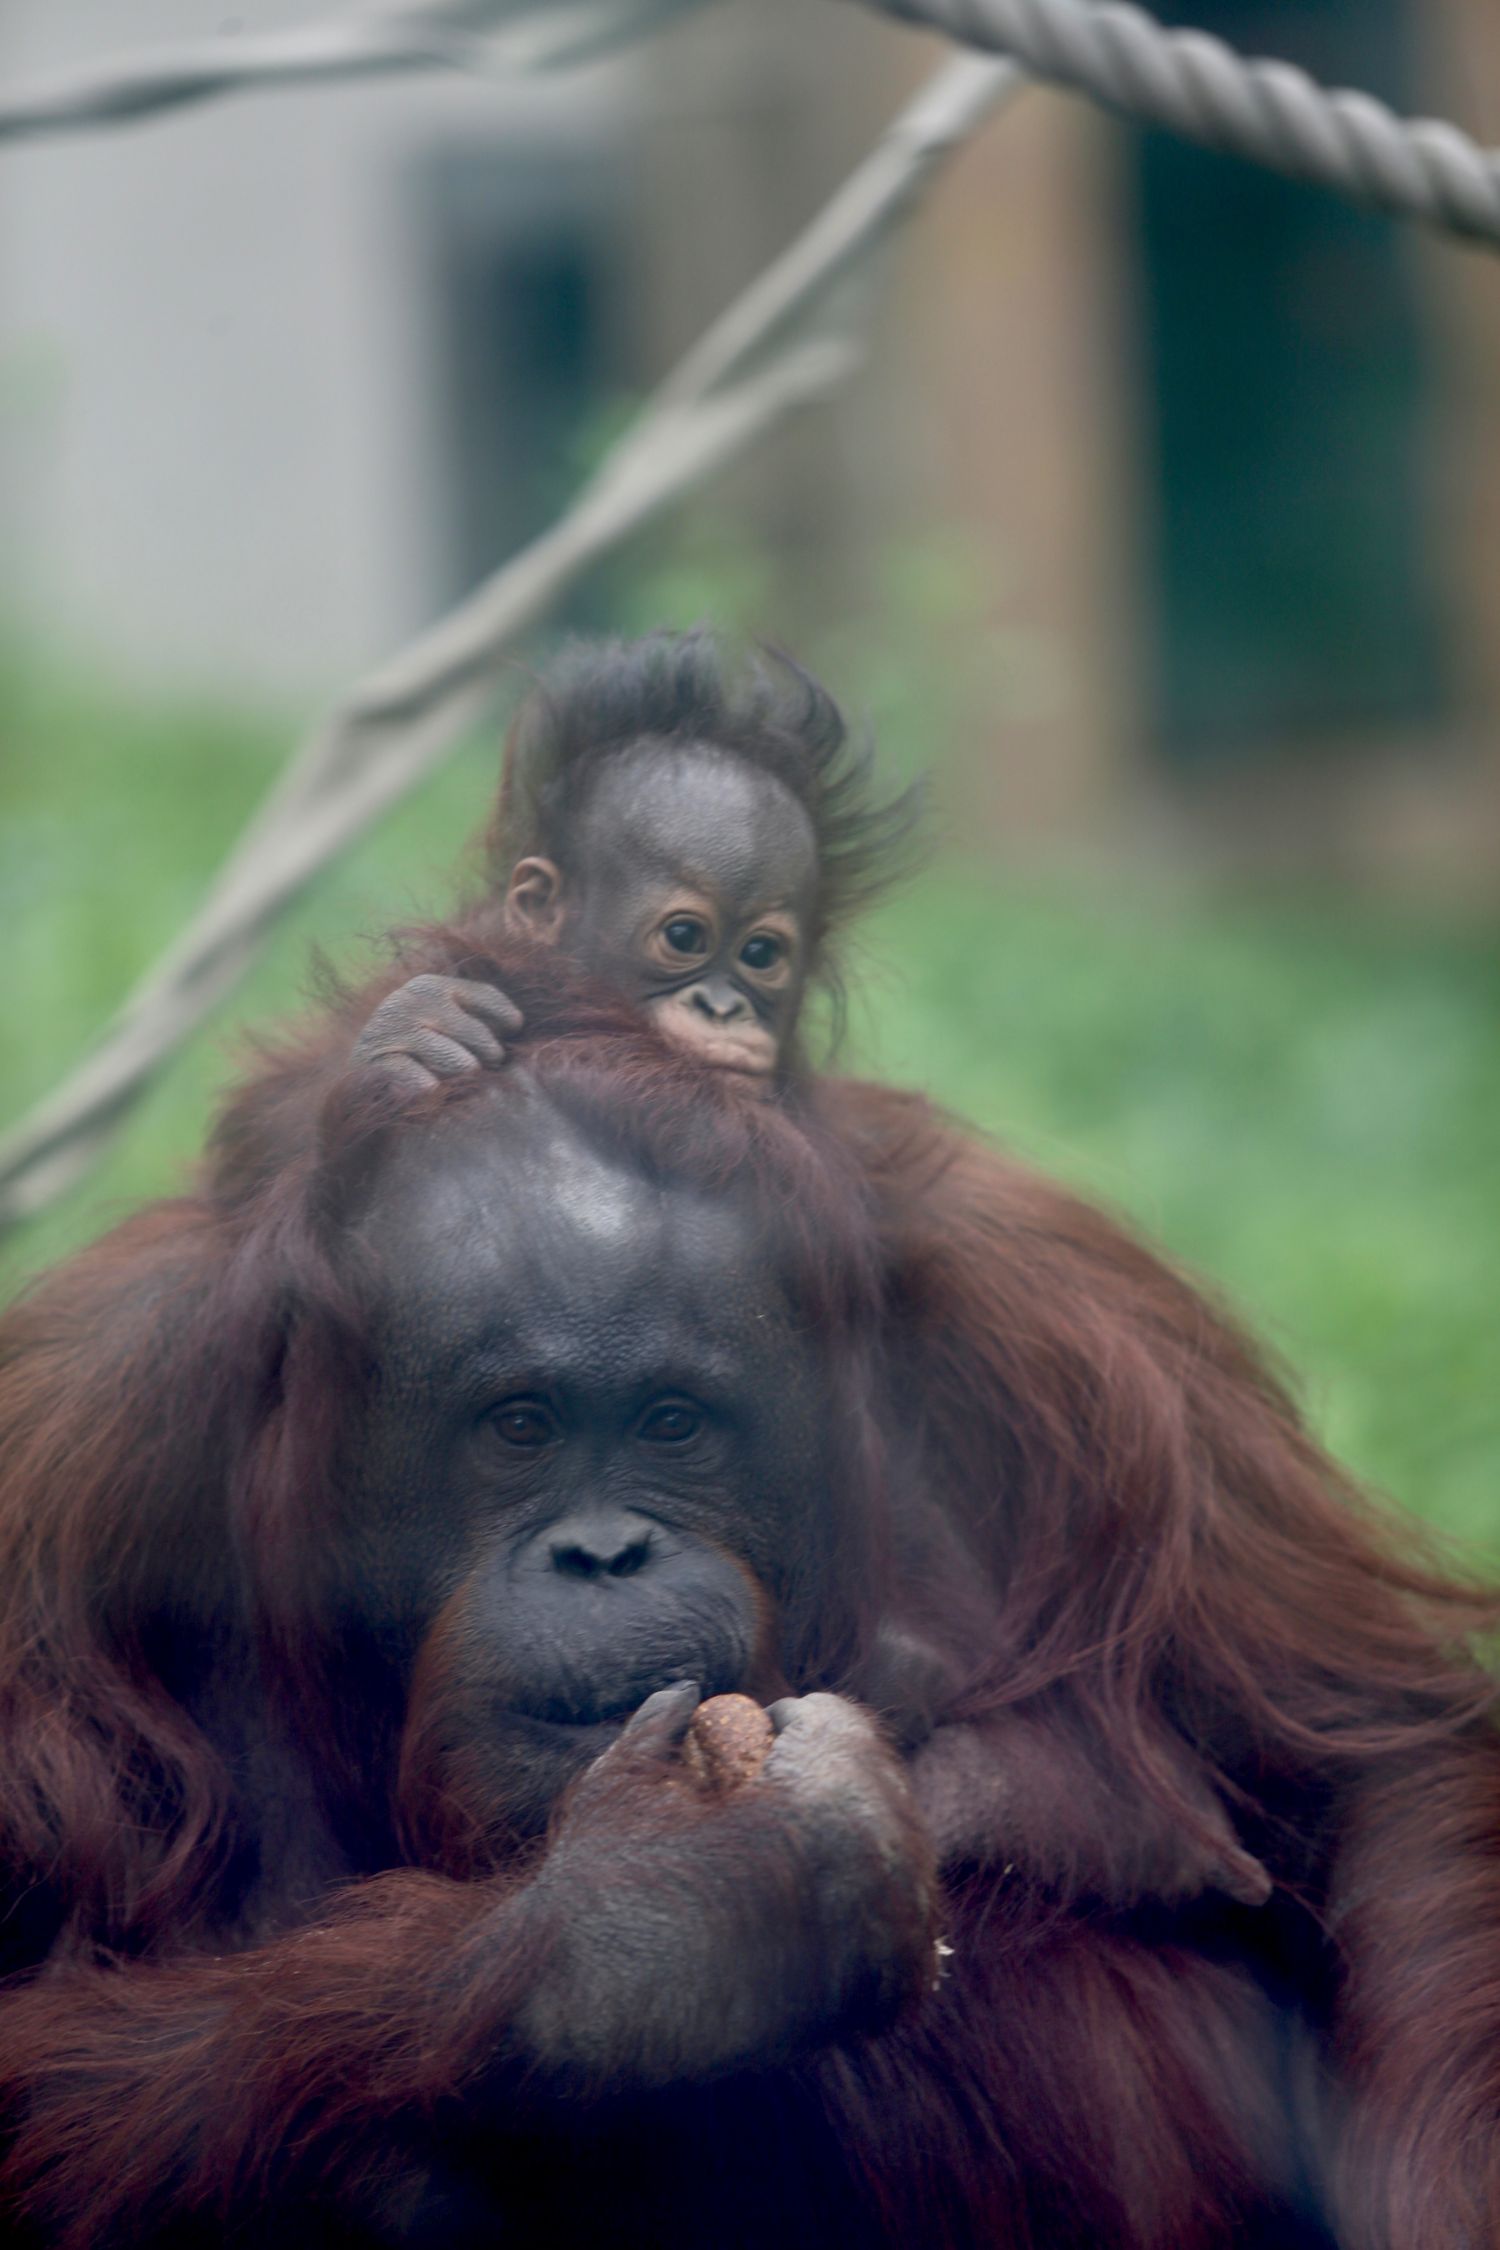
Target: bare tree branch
x=493 y=38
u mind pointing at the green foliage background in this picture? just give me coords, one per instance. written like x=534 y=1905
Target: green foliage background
x=1298 y=1095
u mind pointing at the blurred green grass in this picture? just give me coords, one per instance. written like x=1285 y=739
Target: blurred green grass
x=1296 y=1094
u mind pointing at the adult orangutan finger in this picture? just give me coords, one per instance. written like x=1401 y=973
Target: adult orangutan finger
x=1244 y=1878
x=664 y=1718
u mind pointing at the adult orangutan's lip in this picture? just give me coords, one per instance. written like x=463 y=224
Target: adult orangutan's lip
x=595 y=1735
x=607 y=1715
x=606 y=1724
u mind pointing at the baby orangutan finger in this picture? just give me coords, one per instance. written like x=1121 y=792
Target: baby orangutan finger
x=448 y=1025
x=486 y=1001
x=439 y=1056
x=476 y=1039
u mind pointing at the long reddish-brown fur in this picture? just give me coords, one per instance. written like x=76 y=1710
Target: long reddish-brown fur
x=1164 y=1543
x=1166 y=1535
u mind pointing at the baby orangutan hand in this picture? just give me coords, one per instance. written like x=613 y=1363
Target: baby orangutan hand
x=437 y=1027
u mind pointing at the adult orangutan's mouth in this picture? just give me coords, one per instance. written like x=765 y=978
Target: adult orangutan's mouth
x=605 y=1713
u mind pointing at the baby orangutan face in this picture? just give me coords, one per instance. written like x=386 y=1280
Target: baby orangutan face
x=691 y=883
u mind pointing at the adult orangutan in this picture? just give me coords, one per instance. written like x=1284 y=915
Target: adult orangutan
x=365 y=1549
x=698 y=836
x=342 y=1529
x=1180 y=1593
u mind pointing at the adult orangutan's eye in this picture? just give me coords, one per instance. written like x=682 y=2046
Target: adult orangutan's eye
x=671 y=1423
x=524 y=1422
x=686 y=934
x=762 y=952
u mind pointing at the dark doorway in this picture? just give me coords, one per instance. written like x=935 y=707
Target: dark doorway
x=1295 y=596
x=531 y=352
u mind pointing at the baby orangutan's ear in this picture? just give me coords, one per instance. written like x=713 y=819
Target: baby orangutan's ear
x=534 y=899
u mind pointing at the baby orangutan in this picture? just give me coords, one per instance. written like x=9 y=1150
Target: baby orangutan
x=693 y=835
x=690 y=840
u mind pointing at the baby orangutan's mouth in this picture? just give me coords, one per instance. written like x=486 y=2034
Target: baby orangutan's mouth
x=746 y=1048
x=723 y=1055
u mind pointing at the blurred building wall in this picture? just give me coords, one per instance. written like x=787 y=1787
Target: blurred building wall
x=270 y=394
x=1031 y=353
x=221 y=393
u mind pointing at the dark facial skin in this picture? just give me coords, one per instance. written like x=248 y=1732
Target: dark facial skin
x=593 y=1444
x=586 y=1484
x=691 y=885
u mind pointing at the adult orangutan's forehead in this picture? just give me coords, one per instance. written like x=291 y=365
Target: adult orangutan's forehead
x=695 y=814
x=503 y=1212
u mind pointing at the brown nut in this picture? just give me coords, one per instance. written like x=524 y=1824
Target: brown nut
x=727 y=1741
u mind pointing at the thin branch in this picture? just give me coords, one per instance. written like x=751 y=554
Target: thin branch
x=792 y=337
x=500 y=39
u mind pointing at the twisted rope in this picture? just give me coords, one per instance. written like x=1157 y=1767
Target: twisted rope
x=1271 y=112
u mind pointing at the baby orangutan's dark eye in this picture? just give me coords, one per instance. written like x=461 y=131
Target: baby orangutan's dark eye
x=523 y=1422
x=685 y=934
x=762 y=952
x=671 y=1424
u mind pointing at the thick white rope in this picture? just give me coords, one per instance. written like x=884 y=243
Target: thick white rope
x=794 y=335
x=1189 y=81
x=1271 y=112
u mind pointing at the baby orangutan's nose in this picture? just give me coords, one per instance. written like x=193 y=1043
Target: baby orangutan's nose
x=717 y=999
